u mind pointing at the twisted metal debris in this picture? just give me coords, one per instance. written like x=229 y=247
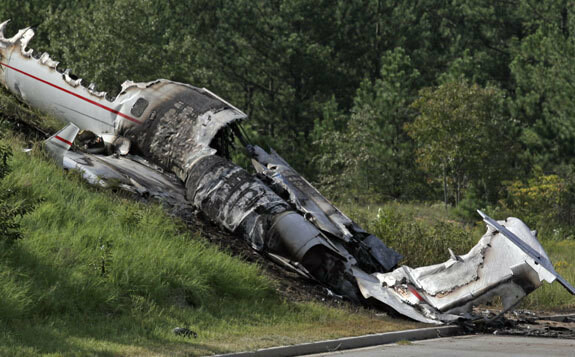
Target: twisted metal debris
x=170 y=140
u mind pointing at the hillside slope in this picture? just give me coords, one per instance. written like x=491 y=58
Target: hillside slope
x=97 y=272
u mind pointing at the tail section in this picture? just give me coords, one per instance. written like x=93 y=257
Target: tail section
x=58 y=144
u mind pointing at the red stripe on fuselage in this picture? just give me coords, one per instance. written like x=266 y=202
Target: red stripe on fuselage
x=63 y=140
x=74 y=94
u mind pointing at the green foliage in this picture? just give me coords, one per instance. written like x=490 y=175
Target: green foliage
x=321 y=80
x=554 y=296
x=369 y=154
x=116 y=249
x=11 y=209
x=13 y=114
x=329 y=83
x=8 y=225
x=545 y=201
x=422 y=241
x=463 y=137
x=539 y=197
x=108 y=42
x=5 y=154
x=543 y=72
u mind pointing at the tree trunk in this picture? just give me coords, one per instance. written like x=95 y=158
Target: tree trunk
x=458 y=192
x=445 y=186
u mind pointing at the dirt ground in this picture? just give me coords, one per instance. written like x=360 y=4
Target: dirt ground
x=289 y=285
x=524 y=323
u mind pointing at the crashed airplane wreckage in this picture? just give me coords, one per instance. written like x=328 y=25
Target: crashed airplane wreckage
x=170 y=140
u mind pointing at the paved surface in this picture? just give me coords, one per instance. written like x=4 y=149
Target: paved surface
x=475 y=345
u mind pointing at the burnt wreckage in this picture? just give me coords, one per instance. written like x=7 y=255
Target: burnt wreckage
x=169 y=140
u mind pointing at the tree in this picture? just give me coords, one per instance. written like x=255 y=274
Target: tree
x=110 y=41
x=543 y=71
x=463 y=136
x=368 y=153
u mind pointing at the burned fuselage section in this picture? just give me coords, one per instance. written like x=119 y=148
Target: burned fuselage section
x=169 y=140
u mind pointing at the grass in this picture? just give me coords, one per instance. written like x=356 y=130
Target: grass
x=554 y=296
x=99 y=274
x=17 y=111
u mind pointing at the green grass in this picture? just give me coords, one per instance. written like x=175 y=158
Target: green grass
x=554 y=296
x=99 y=274
x=17 y=111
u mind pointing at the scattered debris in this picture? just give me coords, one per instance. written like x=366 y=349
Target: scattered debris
x=523 y=323
x=184 y=332
x=171 y=141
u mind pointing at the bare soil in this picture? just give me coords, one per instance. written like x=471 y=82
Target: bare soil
x=289 y=285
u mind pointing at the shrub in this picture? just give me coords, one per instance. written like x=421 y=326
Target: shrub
x=12 y=206
x=545 y=201
x=9 y=212
x=421 y=241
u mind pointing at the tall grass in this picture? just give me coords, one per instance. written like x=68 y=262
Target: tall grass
x=99 y=252
x=554 y=296
x=422 y=233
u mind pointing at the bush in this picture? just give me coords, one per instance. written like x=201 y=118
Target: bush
x=545 y=202
x=5 y=154
x=9 y=212
x=421 y=241
x=13 y=205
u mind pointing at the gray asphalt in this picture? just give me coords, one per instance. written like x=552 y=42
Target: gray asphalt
x=475 y=345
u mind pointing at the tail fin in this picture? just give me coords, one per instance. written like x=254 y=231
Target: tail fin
x=58 y=144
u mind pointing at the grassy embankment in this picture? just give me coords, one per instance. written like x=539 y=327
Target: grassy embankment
x=96 y=273
x=423 y=233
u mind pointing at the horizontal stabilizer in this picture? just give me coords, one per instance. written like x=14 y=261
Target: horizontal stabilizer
x=58 y=144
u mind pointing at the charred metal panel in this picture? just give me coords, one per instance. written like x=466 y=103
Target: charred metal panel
x=178 y=124
x=371 y=253
x=129 y=172
x=303 y=236
x=302 y=194
x=228 y=195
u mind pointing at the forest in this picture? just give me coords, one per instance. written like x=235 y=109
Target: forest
x=466 y=102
